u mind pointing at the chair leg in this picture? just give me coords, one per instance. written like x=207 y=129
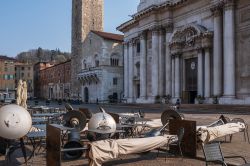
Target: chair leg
x=166 y=156
x=167 y=150
x=180 y=150
x=7 y=155
x=245 y=135
x=23 y=150
x=231 y=137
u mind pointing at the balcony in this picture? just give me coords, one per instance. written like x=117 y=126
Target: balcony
x=89 y=75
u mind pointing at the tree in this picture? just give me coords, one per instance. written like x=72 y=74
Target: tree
x=60 y=58
x=53 y=54
x=39 y=53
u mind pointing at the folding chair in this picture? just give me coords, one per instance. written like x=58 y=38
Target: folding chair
x=213 y=153
x=245 y=131
x=176 y=142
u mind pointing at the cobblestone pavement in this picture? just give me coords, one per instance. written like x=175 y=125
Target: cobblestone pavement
x=237 y=147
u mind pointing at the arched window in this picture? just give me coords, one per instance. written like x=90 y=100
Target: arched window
x=96 y=63
x=84 y=65
x=96 y=60
x=114 y=59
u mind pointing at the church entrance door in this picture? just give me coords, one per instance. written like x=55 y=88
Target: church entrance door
x=190 y=80
x=138 y=90
x=50 y=93
x=86 y=95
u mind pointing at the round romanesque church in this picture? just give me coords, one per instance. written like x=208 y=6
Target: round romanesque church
x=190 y=50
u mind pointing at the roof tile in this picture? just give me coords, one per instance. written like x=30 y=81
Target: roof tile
x=110 y=36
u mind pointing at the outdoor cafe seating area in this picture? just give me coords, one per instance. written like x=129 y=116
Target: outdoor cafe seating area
x=65 y=134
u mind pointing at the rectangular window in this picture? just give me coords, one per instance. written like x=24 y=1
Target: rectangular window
x=138 y=48
x=22 y=68
x=96 y=63
x=115 y=80
x=114 y=62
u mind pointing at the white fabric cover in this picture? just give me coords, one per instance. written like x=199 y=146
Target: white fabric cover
x=154 y=123
x=19 y=92
x=210 y=133
x=15 y=121
x=203 y=127
x=24 y=95
x=101 y=151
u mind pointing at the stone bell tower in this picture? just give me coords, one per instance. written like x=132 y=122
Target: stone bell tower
x=87 y=15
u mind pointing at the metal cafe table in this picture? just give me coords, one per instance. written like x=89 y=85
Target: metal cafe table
x=39 y=120
x=46 y=116
x=37 y=140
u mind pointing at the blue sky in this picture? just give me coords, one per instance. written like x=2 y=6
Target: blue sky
x=29 y=24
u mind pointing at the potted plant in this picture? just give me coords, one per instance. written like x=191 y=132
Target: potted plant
x=110 y=97
x=60 y=101
x=200 y=99
x=157 y=99
x=167 y=98
x=215 y=99
x=47 y=101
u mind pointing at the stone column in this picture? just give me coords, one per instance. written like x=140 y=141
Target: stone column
x=173 y=76
x=161 y=63
x=217 y=51
x=229 y=50
x=207 y=73
x=155 y=62
x=177 y=86
x=200 y=73
x=143 y=66
x=168 y=62
x=126 y=70
x=131 y=71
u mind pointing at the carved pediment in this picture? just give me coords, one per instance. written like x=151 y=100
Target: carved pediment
x=191 y=35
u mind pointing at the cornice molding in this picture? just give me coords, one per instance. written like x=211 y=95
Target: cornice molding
x=229 y=4
x=168 y=27
x=217 y=9
x=153 y=8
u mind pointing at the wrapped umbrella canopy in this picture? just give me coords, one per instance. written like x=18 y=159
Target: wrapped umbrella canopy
x=75 y=119
x=102 y=123
x=15 y=121
x=169 y=114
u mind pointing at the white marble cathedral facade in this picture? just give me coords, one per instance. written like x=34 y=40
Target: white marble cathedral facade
x=186 y=48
